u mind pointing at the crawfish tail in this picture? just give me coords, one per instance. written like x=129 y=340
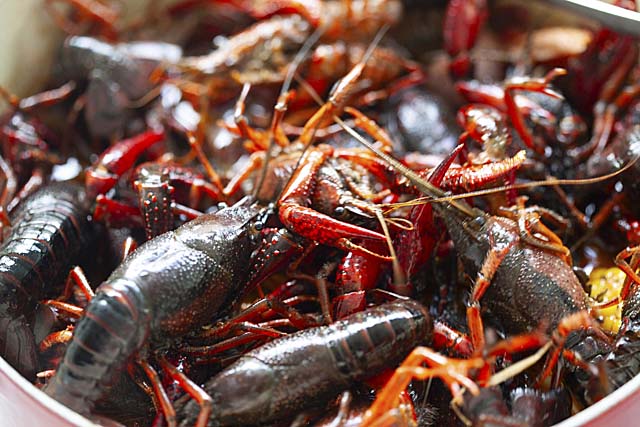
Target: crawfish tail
x=51 y=231
x=289 y=373
x=113 y=326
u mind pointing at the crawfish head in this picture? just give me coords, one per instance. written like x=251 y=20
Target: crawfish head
x=530 y=285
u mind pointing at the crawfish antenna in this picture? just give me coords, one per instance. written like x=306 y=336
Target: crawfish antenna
x=300 y=56
x=281 y=107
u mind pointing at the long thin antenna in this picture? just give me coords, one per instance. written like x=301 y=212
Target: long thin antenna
x=281 y=107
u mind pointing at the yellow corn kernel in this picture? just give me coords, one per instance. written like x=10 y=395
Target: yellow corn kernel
x=606 y=284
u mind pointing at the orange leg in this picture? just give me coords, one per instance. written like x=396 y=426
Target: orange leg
x=570 y=323
x=629 y=269
x=403 y=415
x=485 y=275
x=372 y=128
x=70 y=309
x=256 y=160
x=159 y=395
x=196 y=146
x=517 y=119
x=196 y=392
x=59 y=337
x=551 y=243
x=259 y=139
x=76 y=278
x=452 y=371
x=534 y=232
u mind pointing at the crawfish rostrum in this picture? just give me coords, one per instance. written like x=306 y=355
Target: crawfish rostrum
x=290 y=226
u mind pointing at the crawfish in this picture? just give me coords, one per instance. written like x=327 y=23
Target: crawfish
x=520 y=265
x=173 y=283
x=273 y=381
x=248 y=49
x=51 y=232
x=117 y=75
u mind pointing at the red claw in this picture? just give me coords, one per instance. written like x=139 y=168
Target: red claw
x=310 y=223
x=323 y=228
x=116 y=160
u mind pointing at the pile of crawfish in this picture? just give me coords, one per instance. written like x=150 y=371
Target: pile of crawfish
x=269 y=213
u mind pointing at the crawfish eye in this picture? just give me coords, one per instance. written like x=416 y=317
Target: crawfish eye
x=258 y=225
x=339 y=211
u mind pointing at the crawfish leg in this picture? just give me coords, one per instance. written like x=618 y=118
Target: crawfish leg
x=485 y=275
x=551 y=242
x=535 y=85
x=208 y=353
x=159 y=395
x=451 y=371
x=573 y=322
x=629 y=269
x=255 y=162
x=58 y=337
x=77 y=278
x=371 y=127
x=258 y=138
x=197 y=393
x=196 y=147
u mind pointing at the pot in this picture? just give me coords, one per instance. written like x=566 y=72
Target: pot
x=28 y=41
